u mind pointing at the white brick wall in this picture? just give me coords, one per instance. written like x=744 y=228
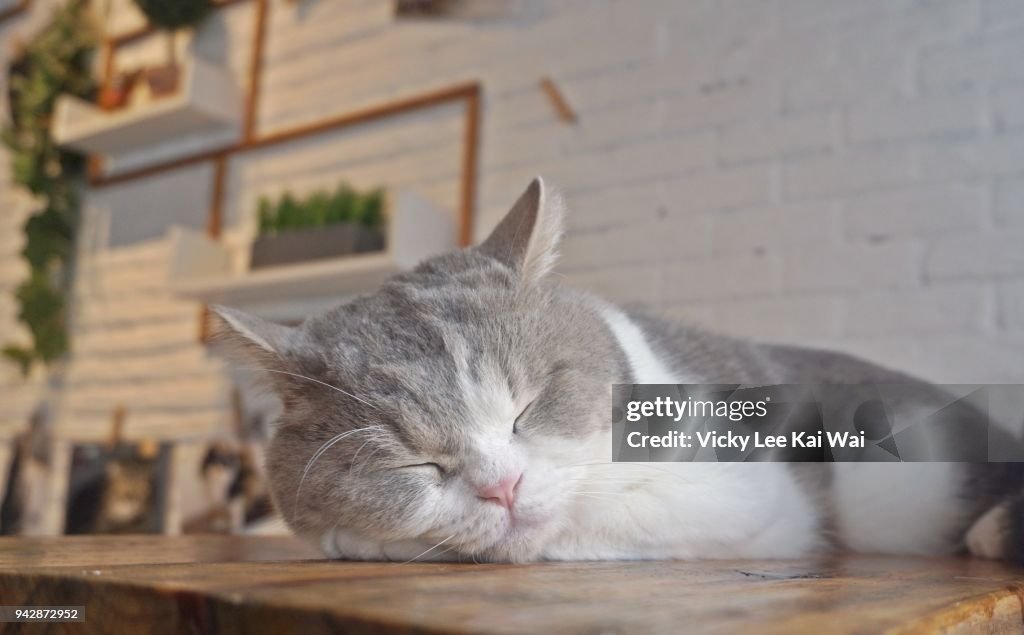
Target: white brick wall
x=830 y=172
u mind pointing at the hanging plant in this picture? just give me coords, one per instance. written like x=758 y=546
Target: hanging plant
x=57 y=61
x=171 y=16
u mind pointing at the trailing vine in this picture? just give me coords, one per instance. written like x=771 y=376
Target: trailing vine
x=55 y=62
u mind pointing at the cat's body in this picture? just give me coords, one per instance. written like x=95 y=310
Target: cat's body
x=462 y=413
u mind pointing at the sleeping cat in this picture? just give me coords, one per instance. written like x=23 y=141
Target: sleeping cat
x=462 y=413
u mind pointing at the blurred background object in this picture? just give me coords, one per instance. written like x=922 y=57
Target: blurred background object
x=819 y=172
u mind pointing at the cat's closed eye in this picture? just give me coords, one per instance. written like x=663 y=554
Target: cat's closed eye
x=515 y=424
x=428 y=469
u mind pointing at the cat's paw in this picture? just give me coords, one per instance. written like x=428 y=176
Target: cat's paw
x=987 y=536
x=341 y=544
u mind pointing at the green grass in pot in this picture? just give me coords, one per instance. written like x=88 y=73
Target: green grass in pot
x=370 y=211
x=317 y=206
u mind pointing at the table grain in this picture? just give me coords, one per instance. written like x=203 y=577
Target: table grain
x=230 y=584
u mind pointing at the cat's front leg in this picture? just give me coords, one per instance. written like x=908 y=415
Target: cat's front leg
x=342 y=544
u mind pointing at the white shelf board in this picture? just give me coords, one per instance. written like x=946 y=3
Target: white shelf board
x=202 y=270
x=207 y=101
x=339 y=277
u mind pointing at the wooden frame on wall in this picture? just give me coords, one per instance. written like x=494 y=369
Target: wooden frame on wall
x=467 y=92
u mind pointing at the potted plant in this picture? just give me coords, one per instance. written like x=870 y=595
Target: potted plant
x=115 y=95
x=171 y=16
x=321 y=225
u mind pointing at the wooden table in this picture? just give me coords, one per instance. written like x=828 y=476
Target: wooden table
x=276 y=585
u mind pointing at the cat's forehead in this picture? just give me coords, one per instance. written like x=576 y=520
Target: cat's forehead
x=450 y=306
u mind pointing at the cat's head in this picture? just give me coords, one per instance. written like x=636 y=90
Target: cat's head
x=449 y=406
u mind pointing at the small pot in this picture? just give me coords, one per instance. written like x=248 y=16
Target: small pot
x=116 y=95
x=314 y=243
x=163 y=80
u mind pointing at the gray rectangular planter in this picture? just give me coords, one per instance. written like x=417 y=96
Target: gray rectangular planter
x=314 y=243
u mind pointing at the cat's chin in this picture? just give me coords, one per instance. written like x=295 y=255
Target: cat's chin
x=522 y=540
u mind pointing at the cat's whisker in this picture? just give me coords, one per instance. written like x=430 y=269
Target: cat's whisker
x=600 y=498
x=429 y=550
x=602 y=493
x=356 y=455
x=366 y=460
x=316 y=455
x=315 y=381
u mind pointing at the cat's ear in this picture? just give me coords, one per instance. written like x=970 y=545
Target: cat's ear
x=527 y=238
x=251 y=339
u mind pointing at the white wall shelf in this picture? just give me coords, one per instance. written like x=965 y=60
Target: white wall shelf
x=202 y=269
x=207 y=101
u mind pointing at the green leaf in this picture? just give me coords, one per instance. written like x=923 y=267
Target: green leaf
x=372 y=215
x=288 y=213
x=21 y=356
x=57 y=60
x=266 y=216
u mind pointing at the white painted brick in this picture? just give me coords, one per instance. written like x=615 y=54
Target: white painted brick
x=988 y=156
x=1001 y=14
x=908 y=29
x=628 y=285
x=1008 y=107
x=672 y=156
x=960 y=307
x=1009 y=201
x=722 y=101
x=900 y=120
x=916 y=211
x=852 y=267
x=849 y=81
x=976 y=62
x=616 y=205
x=846 y=173
x=976 y=255
x=652 y=241
x=775 y=137
x=780 y=319
x=800 y=14
x=1011 y=305
x=722 y=189
x=788 y=225
x=721 y=278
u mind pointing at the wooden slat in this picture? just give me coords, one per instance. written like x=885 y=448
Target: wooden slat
x=471 y=140
x=558 y=101
x=252 y=100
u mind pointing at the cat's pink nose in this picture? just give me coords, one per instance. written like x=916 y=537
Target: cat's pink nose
x=503 y=492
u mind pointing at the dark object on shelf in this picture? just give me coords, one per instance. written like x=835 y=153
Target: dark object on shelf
x=116 y=95
x=314 y=243
x=171 y=16
x=175 y=14
x=163 y=80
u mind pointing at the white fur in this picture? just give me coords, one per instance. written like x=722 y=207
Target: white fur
x=880 y=507
x=905 y=508
x=646 y=366
x=683 y=510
